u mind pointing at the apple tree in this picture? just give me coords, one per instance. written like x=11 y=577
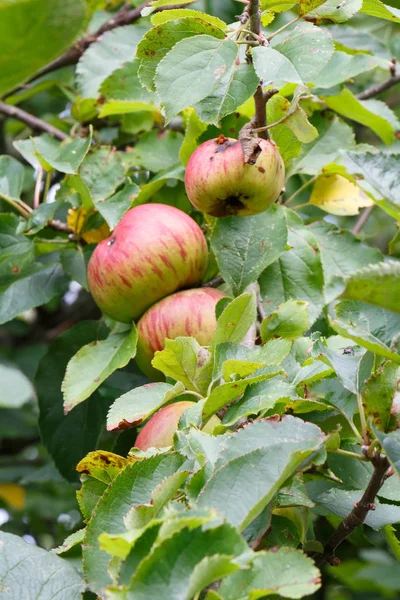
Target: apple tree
x=199 y=299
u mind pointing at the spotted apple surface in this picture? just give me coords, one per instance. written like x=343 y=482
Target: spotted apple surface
x=187 y=313
x=154 y=251
x=220 y=183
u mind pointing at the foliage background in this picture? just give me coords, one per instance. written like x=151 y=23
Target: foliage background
x=133 y=150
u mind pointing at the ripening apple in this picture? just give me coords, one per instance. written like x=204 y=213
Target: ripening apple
x=220 y=183
x=187 y=313
x=159 y=430
x=154 y=250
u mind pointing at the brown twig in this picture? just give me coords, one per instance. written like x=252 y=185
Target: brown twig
x=60 y=226
x=31 y=120
x=363 y=218
x=213 y=283
x=359 y=512
x=379 y=88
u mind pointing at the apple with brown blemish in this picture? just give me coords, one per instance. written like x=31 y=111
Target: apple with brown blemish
x=154 y=251
x=159 y=430
x=220 y=183
x=188 y=313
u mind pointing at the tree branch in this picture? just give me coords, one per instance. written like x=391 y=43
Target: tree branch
x=213 y=283
x=359 y=512
x=31 y=120
x=379 y=88
x=363 y=218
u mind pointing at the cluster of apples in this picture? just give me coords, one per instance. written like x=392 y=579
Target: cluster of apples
x=147 y=270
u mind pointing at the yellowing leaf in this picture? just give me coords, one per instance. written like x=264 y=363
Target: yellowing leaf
x=77 y=218
x=14 y=495
x=338 y=196
x=267 y=17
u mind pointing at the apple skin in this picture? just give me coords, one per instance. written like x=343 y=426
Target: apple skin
x=188 y=313
x=154 y=250
x=159 y=430
x=219 y=182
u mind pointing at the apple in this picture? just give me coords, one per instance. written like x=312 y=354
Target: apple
x=159 y=430
x=154 y=250
x=220 y=183
x=188 y=313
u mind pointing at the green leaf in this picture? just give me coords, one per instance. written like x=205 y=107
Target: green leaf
x=259 y=458
x=225 y=393
x=306 y=6
x=114 y=207
x=296 y=47
x=245 y=246
x=24 y=31
x=123 y=84
x=132 y=408
x=16 y=389
x=336 y=13
x=75 y=261
x=347 y=105
x=376 y=8
x=11 y=178
x=29 y=571
x=34 y=286
x=376 y=284
x=341 y=254
x=134 y=486
x=341 y=502
x=297 y=274
x=199 y=556
x=194 y=127
x=191 y=70
x=271 y=66
x=259 y=398
x=186 y=361
x=343 y=67
x=352 y=369
x=391 y=444
x=16 y=251
x=181 y=13
x=156 y=152
x=236 y=320
x=159 y=40
x=266 y=577
x=102 y=172
x=282 y=135
x=371 y=327
x=237 y=86
x=93 y=363
x=272 y=353
x=65 y=157
x=379 y=392
x=104 y=56
x=148 y=10
x=82 y=425
x=289 y=320
x=334 y=135
x=381 y=171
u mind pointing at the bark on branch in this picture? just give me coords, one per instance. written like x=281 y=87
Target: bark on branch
x=359 y=512
x=31 y=120
x=379 y=88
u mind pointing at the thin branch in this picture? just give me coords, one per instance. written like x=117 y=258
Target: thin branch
x=361 y=457
x=379 y=88
x=359 y=512
x=31 y=120
x=362 y=220
x=38 y=184
x=260 y=118
x=284 y=27
x=213 y=283
x=300 y=189
x=60 y=226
